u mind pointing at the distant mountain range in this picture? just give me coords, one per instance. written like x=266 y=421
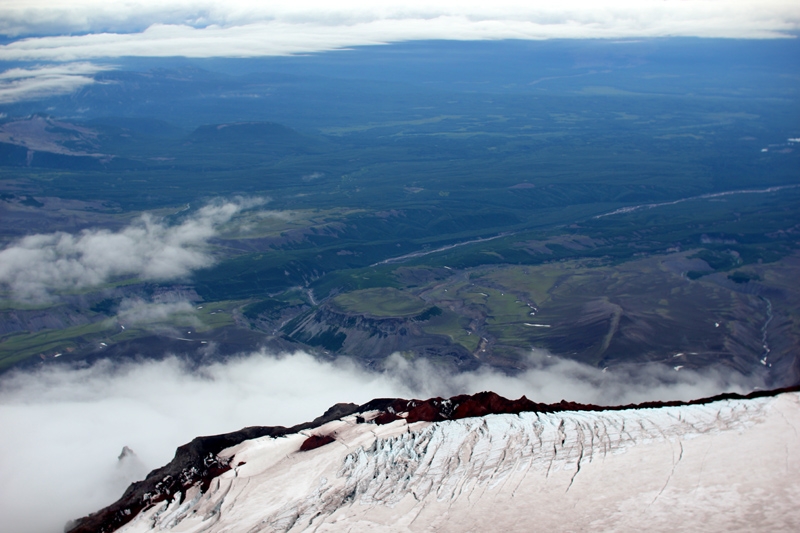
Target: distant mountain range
x=485 y=463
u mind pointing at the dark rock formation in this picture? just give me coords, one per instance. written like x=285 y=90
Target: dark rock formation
x=195 y=463
x=316 y=441
x=489 y=403
x=126 y=453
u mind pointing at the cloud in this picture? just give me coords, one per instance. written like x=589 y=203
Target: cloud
x=550 y=379
x=277 y=215
x=63 y=427
x=135 y=311
x=37 y=266
x=247 y=28
x=18 y=84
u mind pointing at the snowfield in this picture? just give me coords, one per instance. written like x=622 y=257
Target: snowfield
x=730 y=465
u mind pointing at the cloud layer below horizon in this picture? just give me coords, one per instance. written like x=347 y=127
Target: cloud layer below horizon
x=64 y=426
x=37 y=267
x=87 y=29
x=17 y=84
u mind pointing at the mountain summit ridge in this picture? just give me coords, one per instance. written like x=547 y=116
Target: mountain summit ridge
x=200 y=466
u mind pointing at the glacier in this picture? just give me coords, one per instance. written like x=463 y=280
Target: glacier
x=732 y=464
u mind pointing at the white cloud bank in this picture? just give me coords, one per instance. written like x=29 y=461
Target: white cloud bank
x=135 y=311
x=37 y=266
x=64 y=427
x=69 y=30
x=18 y=84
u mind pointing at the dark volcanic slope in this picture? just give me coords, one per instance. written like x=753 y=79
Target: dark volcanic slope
x=197 y=463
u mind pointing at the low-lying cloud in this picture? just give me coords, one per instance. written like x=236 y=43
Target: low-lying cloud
x=64 y=427
x=85 y=29
x=36 y=267
x=136 y=312
x=551 y=379
x=19 y=84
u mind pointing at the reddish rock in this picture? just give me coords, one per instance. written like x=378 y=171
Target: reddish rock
x=385 y=417
x=315 y=441
x=427 y=411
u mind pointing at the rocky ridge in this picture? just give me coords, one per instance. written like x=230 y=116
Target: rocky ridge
x=201 y=461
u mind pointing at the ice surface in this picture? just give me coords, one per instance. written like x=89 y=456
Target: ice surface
x=727 y=465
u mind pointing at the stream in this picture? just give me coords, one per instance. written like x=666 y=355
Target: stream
x=412 y=255
x=632 y=208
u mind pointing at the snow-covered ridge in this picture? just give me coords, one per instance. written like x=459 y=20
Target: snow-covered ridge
x=399 y=465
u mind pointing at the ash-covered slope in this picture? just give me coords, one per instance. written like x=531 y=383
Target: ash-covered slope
x=484 y=463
